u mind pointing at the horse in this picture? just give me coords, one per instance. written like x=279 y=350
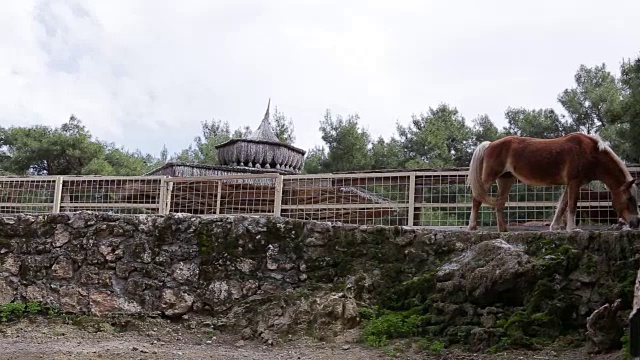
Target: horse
x=573 y=160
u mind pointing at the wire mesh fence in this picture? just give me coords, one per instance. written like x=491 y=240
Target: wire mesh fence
x=421 y=198
x=364 y=199
x=247 y=194
x=27 y=195
x=121 y=195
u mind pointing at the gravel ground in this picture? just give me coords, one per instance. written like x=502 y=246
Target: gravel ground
x=46 y=338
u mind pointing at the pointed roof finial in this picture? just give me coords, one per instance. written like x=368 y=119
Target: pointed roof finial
x=266 y=114
x=264 y=131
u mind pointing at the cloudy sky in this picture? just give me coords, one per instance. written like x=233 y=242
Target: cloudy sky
x=144 y=73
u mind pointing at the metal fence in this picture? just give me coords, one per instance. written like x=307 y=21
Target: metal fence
x=420 y=198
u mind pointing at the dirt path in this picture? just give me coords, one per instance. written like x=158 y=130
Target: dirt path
x=43 y=338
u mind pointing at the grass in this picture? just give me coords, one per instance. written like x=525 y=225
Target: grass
x=382 y=326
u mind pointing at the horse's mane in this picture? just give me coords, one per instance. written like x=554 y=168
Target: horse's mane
x=603 y=146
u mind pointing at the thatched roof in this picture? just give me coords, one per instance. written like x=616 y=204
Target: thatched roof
x=179 y=169
x=261 y=149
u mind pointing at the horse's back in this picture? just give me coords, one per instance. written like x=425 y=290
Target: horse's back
x=541 y=161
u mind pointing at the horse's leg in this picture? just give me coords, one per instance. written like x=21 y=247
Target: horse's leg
x=560 y=211
x=573 y=193
x=473 y=219
x=504 y=187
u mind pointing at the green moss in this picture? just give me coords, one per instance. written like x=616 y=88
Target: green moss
x=626 y=347
x=415 y=293
x=6 y=244
x=627 y=272
x=435 y=347
x=589 y=263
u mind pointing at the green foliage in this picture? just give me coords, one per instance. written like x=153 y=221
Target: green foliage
x=203 y=151
x=15 y=311
x=594 y=100
x=541 y=123
x=65 y=150
x=314 y=160
x=390 y=325
x=282 y=127
x=626 y=346
x=626 y=132
x=387 y=154
x=439 y=138
x=347 y=144
x=485 y=130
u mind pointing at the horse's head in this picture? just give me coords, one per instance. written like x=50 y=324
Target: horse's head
x=625 y=203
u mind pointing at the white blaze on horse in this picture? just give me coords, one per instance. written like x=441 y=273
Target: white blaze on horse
x=572 y=160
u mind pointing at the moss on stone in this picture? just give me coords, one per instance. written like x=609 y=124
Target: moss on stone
x=545 y=310
x=415 y=293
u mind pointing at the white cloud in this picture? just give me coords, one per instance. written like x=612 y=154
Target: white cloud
x=143 y=73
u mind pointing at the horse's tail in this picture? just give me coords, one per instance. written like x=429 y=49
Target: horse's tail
x=474 y=180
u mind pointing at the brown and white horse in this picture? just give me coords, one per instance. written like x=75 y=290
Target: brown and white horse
x=572 y=160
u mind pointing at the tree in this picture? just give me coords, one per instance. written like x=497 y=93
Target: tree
x=347 y=143
x=118 y=161
x=593 y=101
x=65 y=150
x=314 y=160
x=484 y=130
x=541 y=123
x=41 y=150
x=387 y=154
x=624 y=128
x=439 y=138
x=282 y=127
x=203 y=151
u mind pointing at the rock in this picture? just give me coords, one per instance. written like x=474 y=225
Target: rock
x=102 y=303
x=604 y=329
x=175 y=303
x=272 y=252
x=265 y=278
x=11 y=265
x=485 y=270
x=7 y=292
x=250 y=288
x=61 y=236
x=73 y=299
x=35 y=293
x=247 y=333
x=185 y=272
x=62 y=269
x=316 y=241
x=108 y=252
x=246 y=265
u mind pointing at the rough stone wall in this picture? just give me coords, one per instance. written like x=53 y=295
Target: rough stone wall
x=267 y=277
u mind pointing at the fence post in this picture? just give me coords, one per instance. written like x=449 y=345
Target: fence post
x=162 y=196
x=219 y=197
x=277 y=209
x=57 y=194
x=412 y=200
x=167 y=199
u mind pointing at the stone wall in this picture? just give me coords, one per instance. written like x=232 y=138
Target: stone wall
x=267 y=277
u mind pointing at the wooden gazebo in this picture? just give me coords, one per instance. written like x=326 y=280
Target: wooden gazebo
x=262 y=153
x=261 y=150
